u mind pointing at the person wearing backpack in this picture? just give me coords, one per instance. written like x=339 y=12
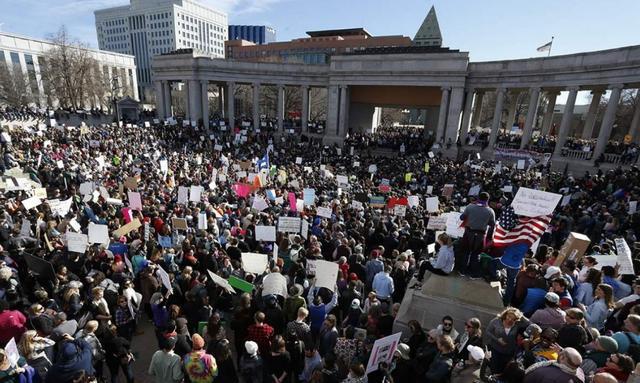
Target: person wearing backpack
x=629 y=340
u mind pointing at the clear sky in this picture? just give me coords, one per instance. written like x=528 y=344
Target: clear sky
x=487 y=29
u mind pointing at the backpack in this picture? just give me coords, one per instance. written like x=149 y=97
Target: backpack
x=634 y=348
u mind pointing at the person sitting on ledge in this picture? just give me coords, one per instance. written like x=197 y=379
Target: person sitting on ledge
x=443 y=264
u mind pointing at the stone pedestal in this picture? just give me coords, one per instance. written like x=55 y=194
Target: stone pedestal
x=452 y=295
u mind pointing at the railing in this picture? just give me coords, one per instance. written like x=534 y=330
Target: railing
x=612 y=158
x=577 y=154
x=508 y=145
x=621 y=159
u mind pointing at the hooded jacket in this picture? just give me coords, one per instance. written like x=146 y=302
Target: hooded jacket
x=74 y=357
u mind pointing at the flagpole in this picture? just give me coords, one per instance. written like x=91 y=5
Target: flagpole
x=550 y=46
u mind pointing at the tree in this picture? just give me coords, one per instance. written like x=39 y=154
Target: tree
x=69 y=71
x=317 y=104
x=13 y=86
x=629 y=99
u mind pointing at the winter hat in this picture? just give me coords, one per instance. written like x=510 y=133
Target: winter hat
x=608 y=344
x=251 y=347
x=198 y=342
x=475 y=352
x=403 y=351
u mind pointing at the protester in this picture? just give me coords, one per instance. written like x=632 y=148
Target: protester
x=183 y=214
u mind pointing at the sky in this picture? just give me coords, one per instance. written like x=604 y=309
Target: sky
x=487 y=29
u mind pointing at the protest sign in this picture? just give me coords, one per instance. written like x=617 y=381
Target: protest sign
x=373 y=168
x=183 y=195
x=324 y=212
x=382 y=351
x=255 y=263
x=240 y=284
x=304 y=229
x=447 y=190
x=126 y=229
x=289 y=224
x=179 y=223
x=259 y=204
x=195 y=193
x=32 y=202
x=164 y=278
x=11 y=350
x=534 y=203
x=87 y=188
x=135 y=201
x=633 y=207
x=342 y=180
x=299 y=160
x=274 y=284
x=266 y=233
x=433 y=204
x=453 y=225
x=357 y=205
x=131 y=183
x=475 y=190
x=400 y=210
x=309 y=196
x=75 y=225
x=624 y=257
x=326 y=274
x=77 y=242
x=413 y=200
x=39 y=266
x=218 y=280
x=60 y=208
x=431 y=248
x=202 y=221
x=521 y=164
x=605 y=260
x=98 y=234
x=437 y=223
x=376 y=201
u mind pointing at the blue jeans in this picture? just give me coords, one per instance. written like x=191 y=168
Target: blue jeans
x=512 y=274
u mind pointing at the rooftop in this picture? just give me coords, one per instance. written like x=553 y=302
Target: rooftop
x=340 y=32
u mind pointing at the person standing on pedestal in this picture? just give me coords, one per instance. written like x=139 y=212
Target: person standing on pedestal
x=477 y=219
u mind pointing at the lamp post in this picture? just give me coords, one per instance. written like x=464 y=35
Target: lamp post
x=115 y=86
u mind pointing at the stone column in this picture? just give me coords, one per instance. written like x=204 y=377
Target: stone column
x=590 y=121
x=442 y=115
x=231 y=104
x=513 y=103
x=256 y=105
x=532 y=110
x=281 y=107
x=333 y=103
x=166 y=89
x=466 y=116
x=187 y=97
x=343 y=114
x=565 y=124
x=304 y=113
x=221 y=101
x=547 y=120
x=195 y=100
x=453 y=117
x=635 y=124
x=477 y=109
x=160 y=112
x=497 y=117
x=205 y=103
x=608 y=120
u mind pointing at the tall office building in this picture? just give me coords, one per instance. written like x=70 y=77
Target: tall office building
x=257 y=34
x=146 y=28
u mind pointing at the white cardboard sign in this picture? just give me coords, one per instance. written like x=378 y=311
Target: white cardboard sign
x=534 y=203
x=266 y=233
x=255 y=263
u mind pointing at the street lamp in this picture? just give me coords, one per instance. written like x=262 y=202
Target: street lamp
x=115 y=86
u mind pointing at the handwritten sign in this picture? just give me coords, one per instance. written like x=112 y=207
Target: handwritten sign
x=453 y=225
x=324 y=212
x=326 y=274
x=76 y=242
x=126 y=229
x=98 y=234
x=534 y=203
x=255 y=263
x=432 y=204
x=624 y=257
x=289 y=224
x=266 y=233
x=437 y=223
x=382 y=351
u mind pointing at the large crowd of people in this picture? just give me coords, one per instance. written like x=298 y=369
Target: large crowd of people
x=105 y=228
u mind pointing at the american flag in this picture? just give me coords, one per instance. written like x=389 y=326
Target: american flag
x=511 y=229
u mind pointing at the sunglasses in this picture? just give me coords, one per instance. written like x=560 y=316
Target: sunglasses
x=447 y=324
x=467 y=325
